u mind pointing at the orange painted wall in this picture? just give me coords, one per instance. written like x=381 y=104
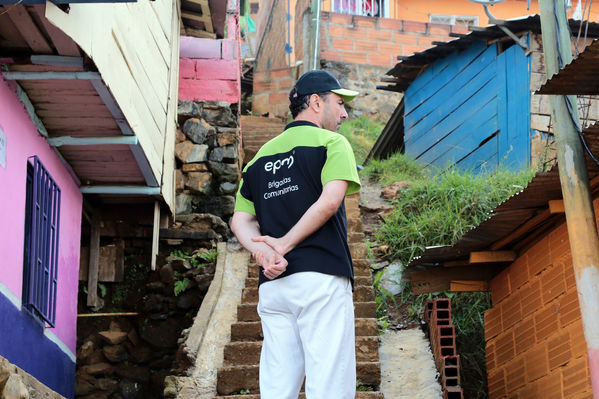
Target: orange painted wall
x=535 y=344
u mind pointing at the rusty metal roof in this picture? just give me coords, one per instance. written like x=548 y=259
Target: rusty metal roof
x=578 y=77
x=407 y=70
x=510 y=215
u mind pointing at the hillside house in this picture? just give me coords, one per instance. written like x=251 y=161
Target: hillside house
x=88 y=96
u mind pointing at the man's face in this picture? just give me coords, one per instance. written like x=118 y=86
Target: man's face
x=333 y=112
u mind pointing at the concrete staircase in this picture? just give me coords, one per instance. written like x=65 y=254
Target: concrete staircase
x=242 y=354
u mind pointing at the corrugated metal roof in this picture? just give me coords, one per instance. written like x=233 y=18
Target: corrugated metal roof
x=578 y=77
x=508 y=216
x=407 y=70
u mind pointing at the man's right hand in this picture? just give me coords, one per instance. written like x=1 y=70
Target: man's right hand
x=273 y=263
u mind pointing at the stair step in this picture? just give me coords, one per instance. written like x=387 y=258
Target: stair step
x=358 y=250
x=360 y=294
x=233 y=379
x=302 y=395
x=239 y=353
x=248 y=312
x=252 y=330
x=356 y=237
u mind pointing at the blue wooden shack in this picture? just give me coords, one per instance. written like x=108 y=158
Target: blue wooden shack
x=470 y=102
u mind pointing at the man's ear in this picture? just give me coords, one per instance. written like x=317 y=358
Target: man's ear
x=315 y=102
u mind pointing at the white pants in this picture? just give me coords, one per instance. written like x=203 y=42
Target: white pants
x=308 y=326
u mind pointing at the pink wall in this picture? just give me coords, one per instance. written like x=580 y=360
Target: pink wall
x=24 y=141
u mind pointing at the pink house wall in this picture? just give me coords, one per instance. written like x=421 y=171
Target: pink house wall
x=24 y=141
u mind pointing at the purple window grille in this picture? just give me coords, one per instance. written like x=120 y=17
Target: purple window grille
x=41 y=243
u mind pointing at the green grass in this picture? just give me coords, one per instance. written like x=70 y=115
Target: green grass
x=361 y=132
x=398 y=167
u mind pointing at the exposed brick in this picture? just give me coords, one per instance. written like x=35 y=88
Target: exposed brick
x=551 y=386
x=393 y=24
x=553 y=283
x=208 y=90
x=366 y=46
x=490 y=356
x=497 y=386
x=343 y=44
x=530 y=297
x=514 y=374
x=335 y=31
x=264 y=85
x=331 y=55
x=545 y=322
x=439 y=29
x=343 y=19
x=575 y=377
x=393 y=49
x=569 y=277
x=281 y=73
x=504 y=348
x=405 y=38
x=539 y=257
x=536 y=362
x=259 y=106
x=510 y=311
x=460 y=29
x=500 y=286
x=278 y=98
x=492 y=319
x=285 y=84
x=558 y=347
x=578 y=343
x=518 y=272
x=356 y=58
x=380 y=35
x=412 y=26
x=569 y=308
x=217 y=69
x=261 y=75
x=409 y=50
x=353 y=33
x=524 y=335
x=530 y=390
x=187 y=68
x=364 y=22
x=381 y=59
x=559 y=243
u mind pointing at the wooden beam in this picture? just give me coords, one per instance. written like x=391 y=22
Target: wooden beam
x=456 y=263
x=199 y=33
x=440 y=278
x=492 y=256
x=556 y=206
x=85 y=141
x=51 y=75
x=468 y=286
x=31 y=111
x=57 y=60
x=523 y=229
x=155 y=234
x=120 y=190
x=27 y=27
x=459 y=35
x=94 y=261
x=62 y=42
x=205 y=19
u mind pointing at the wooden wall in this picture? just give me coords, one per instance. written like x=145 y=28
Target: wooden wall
x=135 y=48
x=471 y=109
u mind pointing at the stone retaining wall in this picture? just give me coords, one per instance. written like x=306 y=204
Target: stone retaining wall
x=17 y=384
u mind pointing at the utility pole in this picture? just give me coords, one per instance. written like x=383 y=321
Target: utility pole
x=582 y=229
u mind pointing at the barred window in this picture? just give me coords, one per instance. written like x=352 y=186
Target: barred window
x=40 y=269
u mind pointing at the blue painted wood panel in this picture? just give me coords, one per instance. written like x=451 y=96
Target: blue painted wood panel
x=471 y=109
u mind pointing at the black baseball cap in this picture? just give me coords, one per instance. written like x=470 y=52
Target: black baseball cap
x=319 y=81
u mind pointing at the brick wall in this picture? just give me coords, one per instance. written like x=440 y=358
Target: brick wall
x=377 y=41
x=534 y=338
x=271 y=91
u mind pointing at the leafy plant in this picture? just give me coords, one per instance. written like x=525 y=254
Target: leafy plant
x=382 y=298
x=209 y=257
x=181 y=285
x=361 y=132
x=102 y=289
x=244 y=392
x=360 y=387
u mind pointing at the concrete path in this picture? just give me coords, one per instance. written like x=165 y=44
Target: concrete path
x=407 y=367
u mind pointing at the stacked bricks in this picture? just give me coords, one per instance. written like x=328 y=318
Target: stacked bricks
x=437 y=314
x=271 y=91
x=535 y=344
x=209 y=70
x=377 y=41
x=242 y=354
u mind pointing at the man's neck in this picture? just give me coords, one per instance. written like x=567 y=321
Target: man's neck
x=307 y=118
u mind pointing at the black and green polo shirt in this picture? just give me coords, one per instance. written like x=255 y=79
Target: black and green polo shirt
x=285 y=178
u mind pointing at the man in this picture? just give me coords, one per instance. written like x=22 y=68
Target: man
x=290 y=214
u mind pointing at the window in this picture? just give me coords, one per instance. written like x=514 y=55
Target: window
x=368 y=8
x=453 y=19
x=41 y=243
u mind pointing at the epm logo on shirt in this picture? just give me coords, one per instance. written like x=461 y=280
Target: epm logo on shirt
x=278 y=164
x=284 y=185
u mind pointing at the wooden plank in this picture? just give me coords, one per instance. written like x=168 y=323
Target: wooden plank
x=468 y=286
x=478 y=158
x=205 y=19
x=556 y=206
x=28 y=29
x=492 y=256
x=199 y=33
x=64 y=44
x=155 y=234
x=456 y=263
x=439 y=279
x=115 y=314
x=522 y=230
x=94 y=260
x=190 y=235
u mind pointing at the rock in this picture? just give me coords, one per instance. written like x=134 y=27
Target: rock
x=219 y=114
x=194 y=167
x=181 y=265
x=170 y=387
x=188 y=152
x=199 y=182
x=227 y=188
x=130 y=389
x=227 y=153
x=162 y=334
x=391 y=278
x=225 y=171
x=153 y=303
x=85 y=351
x=203 y=222
x=115 y=353
x=227 y=138
x=97 y=369
x=184 y=204
x=223 y=205
x=179 y=180
x=180 y=137
x=197 y=130
x=392 y=190
x=167 y=274
x=188 y=109
x=133 y=373
x=96 y=357
x=113 y=337
x=155 y=286
x=108 y=384
x=115 y=326
x=14 y=388
x=139 y=353
x=84 y=384
x=157 y=380
x=133 y=337
x=203 y=281
x=189 y=300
